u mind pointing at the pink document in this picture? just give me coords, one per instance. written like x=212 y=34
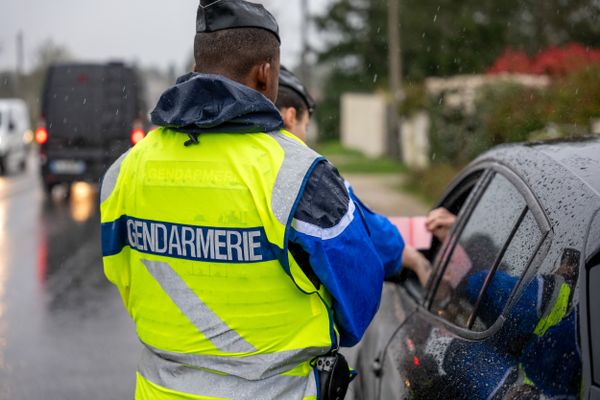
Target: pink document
x=413 y=231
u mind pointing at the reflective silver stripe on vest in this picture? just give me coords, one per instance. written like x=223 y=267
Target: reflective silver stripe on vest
x=252 y=367
x=204 y=319
x=199 y=382
x=296 y=164
x=110 y=178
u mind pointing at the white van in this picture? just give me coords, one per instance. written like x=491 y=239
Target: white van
x=14 y=129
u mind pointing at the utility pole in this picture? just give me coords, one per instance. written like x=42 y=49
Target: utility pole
x=20 y=53
x=395 y=72
x=304 y=27
x=20 y=62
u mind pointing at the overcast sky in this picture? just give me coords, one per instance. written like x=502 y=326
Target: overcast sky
x=149 y=32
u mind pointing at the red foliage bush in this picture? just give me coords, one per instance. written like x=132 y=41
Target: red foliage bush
x=554 y=61
x=513 y=61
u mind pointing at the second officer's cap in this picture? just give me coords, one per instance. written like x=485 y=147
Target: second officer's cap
x=217 y=15
x=291 y=81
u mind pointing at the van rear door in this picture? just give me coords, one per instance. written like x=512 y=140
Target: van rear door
x=89 y=113
x=73 y=104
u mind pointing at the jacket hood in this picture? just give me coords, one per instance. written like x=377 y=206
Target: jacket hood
x=203 y=103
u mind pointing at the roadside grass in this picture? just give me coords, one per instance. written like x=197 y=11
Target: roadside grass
x=350 y=161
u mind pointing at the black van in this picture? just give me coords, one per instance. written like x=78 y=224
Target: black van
x=91 y=114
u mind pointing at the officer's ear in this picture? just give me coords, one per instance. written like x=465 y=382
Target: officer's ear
x=289 y=117
x=267 y=80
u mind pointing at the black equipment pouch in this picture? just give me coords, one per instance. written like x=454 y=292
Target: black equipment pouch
x=334 y=376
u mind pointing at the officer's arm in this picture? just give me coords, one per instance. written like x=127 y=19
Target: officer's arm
x=385 y=236
x=331 y=233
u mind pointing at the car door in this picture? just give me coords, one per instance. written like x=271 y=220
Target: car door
x=590 y=328
x=448 y=348
x=400 y=299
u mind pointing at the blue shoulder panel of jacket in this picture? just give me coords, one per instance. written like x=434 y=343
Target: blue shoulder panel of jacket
x=336 y=239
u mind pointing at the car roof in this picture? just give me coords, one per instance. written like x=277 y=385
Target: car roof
x=576 y=158
x=581 y=157
x=5 y=103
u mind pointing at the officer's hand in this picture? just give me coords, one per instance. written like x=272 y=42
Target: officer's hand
x=439 y=222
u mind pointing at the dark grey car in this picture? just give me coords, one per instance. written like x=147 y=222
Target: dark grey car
x=500 y=315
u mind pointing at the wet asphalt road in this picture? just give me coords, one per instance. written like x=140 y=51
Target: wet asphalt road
x=64 y=333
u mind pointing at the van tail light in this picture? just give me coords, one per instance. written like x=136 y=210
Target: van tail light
x=137 y=135
x=41 y=133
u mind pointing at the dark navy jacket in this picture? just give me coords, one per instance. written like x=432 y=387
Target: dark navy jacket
x=338 y=242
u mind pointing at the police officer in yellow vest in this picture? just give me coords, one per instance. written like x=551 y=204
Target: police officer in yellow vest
x=239 y=253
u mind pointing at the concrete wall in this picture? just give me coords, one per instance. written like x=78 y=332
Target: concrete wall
x=414 y=141
x=364 y=123
x=595 y=126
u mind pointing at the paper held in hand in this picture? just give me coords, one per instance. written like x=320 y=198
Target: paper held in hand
x=413 y=231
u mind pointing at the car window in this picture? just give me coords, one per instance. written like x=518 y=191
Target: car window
x=501 y=283
x=594 y=320
x=478 y=247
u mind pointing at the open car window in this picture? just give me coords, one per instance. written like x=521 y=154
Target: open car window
x=478 y=250
x=460 y=193
x=454 y=202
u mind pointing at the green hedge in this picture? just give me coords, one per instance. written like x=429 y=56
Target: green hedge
x=507 y=113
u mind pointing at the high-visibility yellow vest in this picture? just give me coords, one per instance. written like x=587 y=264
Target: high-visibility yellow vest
x=195 y=238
